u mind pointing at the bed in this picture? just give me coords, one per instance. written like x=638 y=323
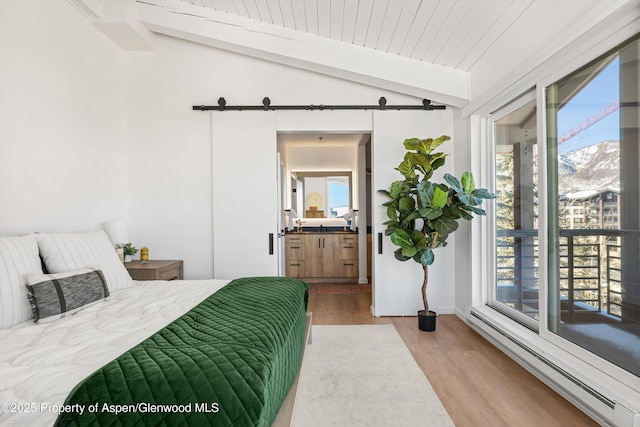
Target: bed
x=191 y=352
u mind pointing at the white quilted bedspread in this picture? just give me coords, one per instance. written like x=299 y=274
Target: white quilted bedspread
x=41 y=363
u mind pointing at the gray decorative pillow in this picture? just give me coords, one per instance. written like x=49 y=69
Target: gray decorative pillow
x=53 y=296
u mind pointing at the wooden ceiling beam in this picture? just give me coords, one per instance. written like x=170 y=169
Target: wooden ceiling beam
x=117 y=20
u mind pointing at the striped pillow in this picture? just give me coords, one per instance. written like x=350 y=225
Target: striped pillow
x=18 y=257
x=62 y=252
x=53 y=296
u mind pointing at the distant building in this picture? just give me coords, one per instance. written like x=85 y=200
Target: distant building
x=591 y=209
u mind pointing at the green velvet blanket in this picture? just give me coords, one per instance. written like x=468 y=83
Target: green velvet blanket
x=229 y=361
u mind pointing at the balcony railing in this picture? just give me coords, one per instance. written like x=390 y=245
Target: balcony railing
x=590 y=266
x=517 y=270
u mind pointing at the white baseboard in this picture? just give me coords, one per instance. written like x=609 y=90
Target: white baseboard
x=570 y=377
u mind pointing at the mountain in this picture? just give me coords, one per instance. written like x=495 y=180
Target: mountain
x=589 y=170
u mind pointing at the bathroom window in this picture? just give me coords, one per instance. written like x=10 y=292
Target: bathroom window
x=338 y=191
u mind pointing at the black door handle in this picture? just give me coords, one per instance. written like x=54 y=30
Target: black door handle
x=379 y=243
x=270 y=243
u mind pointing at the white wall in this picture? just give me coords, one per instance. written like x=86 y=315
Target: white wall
x=319 y=159
x=170 y=145
x=62 y=121
x=515 y=56
x=462 y=237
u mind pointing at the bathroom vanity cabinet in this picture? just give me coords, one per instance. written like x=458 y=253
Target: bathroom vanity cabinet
x=323 y=256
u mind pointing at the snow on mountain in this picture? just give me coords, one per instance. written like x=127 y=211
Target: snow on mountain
x=590 y=170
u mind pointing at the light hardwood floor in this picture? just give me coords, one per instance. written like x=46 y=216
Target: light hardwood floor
x=477 y=383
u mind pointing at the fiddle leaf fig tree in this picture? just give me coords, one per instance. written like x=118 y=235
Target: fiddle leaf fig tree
x=423 y=214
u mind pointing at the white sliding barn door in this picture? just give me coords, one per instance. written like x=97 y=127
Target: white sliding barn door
x=245 y=228
x=397 y=284
x=280 y=188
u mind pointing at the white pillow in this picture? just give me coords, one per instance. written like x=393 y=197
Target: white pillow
x=18 y=257
x=63 y=252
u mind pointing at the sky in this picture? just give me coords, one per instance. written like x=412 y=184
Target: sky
x=338 y=194
x=593 y=98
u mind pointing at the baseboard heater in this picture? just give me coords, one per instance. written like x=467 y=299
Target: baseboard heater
x=620 y=415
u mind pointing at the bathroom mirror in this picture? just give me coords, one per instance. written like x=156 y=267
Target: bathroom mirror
x=321 y=194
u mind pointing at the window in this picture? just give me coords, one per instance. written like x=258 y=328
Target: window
x=593 y=190
x=331 y=193
x=516 y=212
x=338 y=191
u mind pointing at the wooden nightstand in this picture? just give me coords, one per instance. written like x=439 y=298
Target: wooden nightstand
x=155 y=270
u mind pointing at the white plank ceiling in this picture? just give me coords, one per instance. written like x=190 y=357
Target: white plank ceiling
x=451 y=33
x=449 y=51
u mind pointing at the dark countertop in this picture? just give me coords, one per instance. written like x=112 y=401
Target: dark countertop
x=313 y=230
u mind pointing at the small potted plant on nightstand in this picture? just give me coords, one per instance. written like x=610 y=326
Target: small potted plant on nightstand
x=129 y=251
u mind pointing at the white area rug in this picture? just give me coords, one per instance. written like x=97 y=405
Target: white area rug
x=363 y=375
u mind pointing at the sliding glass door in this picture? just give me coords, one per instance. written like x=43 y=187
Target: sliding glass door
x=516 y=212
x=593 y=200
x=590 y=243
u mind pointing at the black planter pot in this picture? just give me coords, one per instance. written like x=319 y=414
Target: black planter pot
x=427 y=321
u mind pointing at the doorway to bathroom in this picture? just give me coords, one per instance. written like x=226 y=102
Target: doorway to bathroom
x=326 y=207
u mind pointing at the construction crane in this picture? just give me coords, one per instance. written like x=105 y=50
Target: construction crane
x=589 y=122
